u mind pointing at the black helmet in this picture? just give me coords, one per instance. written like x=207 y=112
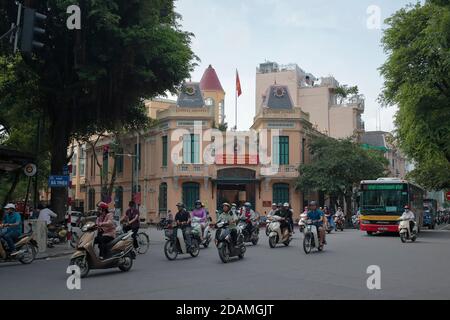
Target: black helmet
x=180 y=204
x=279 y=205
x=198 y=203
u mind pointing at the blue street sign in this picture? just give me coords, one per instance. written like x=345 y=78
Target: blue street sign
x=58 y=181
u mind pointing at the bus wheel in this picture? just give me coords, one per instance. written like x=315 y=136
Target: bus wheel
x=369 y=233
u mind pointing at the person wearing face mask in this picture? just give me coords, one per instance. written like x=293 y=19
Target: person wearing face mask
x=200 y=213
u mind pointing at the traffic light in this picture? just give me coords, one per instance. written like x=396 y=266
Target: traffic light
x=30 y=28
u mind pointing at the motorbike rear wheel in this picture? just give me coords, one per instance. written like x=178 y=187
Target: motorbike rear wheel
x=82 y=263
x=170 y=250
x=307 y=245
x=29 y=255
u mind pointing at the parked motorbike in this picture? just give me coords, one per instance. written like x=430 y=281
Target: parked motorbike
x=225 y=246
x=175 y=243
x=197 y=231
x=302 y=222
x=405 y=232
x=277 y=235
x=252 y=237
x=311 y=239
x=121 y=252
x=26 y=247
x=339 y=222
x=56 y=233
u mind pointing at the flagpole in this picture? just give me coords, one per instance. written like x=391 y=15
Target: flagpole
x=235 y=105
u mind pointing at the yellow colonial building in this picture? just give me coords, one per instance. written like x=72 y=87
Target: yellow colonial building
x=184 y=158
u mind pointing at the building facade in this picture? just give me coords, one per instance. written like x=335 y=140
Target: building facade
x=184 y=158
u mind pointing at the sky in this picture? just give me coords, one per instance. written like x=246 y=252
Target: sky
x=324 y=37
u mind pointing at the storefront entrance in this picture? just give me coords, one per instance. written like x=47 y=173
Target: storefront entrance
x=236 y=186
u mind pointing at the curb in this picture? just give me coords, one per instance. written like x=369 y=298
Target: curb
x=45 y=255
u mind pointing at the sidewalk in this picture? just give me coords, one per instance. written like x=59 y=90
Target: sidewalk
x=58 y=250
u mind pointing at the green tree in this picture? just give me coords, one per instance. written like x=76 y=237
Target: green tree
x=337 y=166
x=417 y=80
x=96 y=79
x=343 y=92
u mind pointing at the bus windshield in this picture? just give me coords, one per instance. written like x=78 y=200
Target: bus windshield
x=379 y=201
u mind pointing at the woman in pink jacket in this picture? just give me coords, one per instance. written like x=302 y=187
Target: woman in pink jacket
x=107 y=228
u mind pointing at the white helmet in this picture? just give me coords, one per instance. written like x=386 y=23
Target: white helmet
x=10 y=206
x=286 y=204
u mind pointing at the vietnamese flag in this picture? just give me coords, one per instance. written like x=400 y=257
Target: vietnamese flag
x=238 y=84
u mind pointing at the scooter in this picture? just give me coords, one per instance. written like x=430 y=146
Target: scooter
x=26 y=247
x=121 y=252
x=329 y=225
x=355 y=221
x=405 y=232
x=175 y=243
x=339 y=222
x=277 y=235
x=224 y=243
x=311 y=239
x=302 y=222
x=197 y=230
x=252 y=237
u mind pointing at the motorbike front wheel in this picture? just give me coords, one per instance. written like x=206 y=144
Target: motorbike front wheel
x=82 y=263
x=273 y=241
x=126 y=263
x=29 y=254
x=195 y=250
x=224 y=253
x=170 y=250
x=403 y=237
x=307 y=243
x=267 y=231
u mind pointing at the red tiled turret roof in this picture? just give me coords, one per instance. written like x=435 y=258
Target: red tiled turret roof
x=210 y=81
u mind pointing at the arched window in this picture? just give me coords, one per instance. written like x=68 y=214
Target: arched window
x=209 y=102
x=91 y=199
x=191 y=193
x=280 y=193
x=162 y=198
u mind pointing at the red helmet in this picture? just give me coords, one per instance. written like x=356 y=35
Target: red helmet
x=406 y=207
x=102 y=205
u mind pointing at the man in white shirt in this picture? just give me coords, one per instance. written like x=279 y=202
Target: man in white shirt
x=46 y=214
x=409 y=215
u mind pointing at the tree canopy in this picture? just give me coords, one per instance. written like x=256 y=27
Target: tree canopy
x=96 y=79
x=339 y=165
x=417 y=80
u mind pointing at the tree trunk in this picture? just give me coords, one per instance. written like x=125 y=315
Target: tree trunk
x=13 y=187
x=59 y=135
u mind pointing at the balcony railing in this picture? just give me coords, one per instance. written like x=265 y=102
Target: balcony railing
x=284 y=171
x=246 y=159
x=190 y=170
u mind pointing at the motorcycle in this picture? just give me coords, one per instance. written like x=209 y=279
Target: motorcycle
x=252 y=237
x=405 y=231
x=175 y=243
x=197 y=230
x=311 y=239
x=355 y=221
x=277 y=235
x=224 y=243
x=329 y=225
x=339 y=222
x=302 y=222
x=26 y=247
x=121 y=252
x=56 y=234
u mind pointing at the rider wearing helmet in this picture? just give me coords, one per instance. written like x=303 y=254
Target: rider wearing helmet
x=249 y=216
x=200 y=213
x=183 y=221
x=409 y=215
x=231 y=218
x=318 y=219
x=11 y=227
x=286 y=214
x=107 y=228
